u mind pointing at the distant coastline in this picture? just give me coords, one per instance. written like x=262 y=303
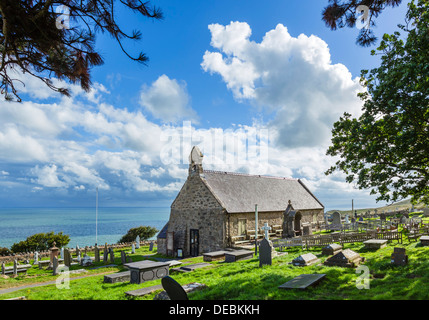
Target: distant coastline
x=77 y=222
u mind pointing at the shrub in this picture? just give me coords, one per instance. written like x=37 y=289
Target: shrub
x=41 y=242
x=5 y=252
x=145 y=232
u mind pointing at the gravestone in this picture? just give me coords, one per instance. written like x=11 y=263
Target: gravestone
x=173 y=289
x=331 y=249
x=238 y=255
x=15 y=267
x=336 y=218
x=3 y=269
x=54 y=253
x=36 y=258
x=375 y=243
x=77 y=250
x=112 y=255
x=133 y=248
x=151 y=246
x=425 y=212
x=105 y=254
x=214 y=256
x=266 y=228
x=424 y=241
x=147 y=270
x=345 y=258
x=383 y=217
x=67 y=258
x=138 y=242
x=399 y=258
x=79 y=259
x=265 y=252
x=54 y=266
x=96 y=254
x=123 y=257
x=86 y=261
x=62 y=253
x=347 y=218
x=117 y=277
x=306 y=229
x=303 y=281
x=191 y=267
x=305 y=260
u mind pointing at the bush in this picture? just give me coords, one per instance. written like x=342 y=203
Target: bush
x=5 y=252
x=41 y=242
x=145 y=232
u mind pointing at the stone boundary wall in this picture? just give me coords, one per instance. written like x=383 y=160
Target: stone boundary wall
x=21 y=256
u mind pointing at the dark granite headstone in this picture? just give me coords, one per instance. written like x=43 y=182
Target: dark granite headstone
x=173 y=289
x=265 y=252
x=399 y=258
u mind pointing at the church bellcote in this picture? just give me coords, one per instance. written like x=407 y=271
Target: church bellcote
x=195 y=161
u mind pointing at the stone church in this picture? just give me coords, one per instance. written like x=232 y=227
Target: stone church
x=214 y=209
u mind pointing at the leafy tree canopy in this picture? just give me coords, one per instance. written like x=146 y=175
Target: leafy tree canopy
x=41 y=242
x=145 y=232
x=340 y=14
x=47 y=38
x=387 y=148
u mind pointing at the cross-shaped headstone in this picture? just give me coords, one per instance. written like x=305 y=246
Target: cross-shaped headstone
x=266 y=228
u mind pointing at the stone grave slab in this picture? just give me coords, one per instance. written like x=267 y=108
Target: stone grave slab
x=142 y=271
x=214 y=256
x=332 y=249
x=191 y=267
x=143 y=291
x=424 y=240
x=307 y=259
x=375 y=243
x=345 y=258
x=117 y=277
x=303 y=281
x=238 y=255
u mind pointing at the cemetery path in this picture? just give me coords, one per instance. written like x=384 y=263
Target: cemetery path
x=40 y=284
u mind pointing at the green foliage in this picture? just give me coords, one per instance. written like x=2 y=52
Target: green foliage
x=40 y=242
x=386 y=148
x=5 y=252
x=145 y=232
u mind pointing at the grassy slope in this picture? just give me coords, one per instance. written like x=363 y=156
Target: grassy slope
x=247 y=281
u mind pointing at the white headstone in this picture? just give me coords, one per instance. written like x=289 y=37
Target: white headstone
x=137 y=242
x=36 y=258
x=133 y=248
x=62 y=252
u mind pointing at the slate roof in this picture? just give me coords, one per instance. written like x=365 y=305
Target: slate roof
x=240 y=192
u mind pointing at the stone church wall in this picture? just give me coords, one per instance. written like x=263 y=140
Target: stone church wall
x=196 y=208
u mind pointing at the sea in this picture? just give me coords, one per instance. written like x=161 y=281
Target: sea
x=84 y=226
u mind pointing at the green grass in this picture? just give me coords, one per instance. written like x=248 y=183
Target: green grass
x=245 y=280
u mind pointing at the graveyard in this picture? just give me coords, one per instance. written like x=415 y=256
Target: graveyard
x=396 y=270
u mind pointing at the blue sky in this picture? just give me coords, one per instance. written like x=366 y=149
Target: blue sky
x=270 y=76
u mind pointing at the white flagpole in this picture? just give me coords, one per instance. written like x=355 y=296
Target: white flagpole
x=96 y=216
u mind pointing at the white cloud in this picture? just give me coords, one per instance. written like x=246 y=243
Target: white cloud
x=167 y=99
x=48 y=176
x=292 y=76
